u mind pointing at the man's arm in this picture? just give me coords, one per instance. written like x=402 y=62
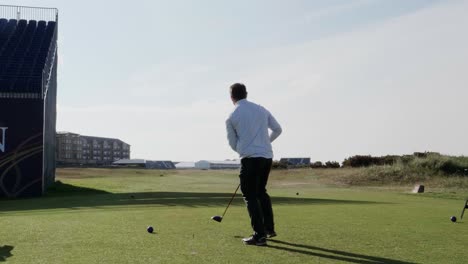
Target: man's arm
x=231 y=135
x=274 y=126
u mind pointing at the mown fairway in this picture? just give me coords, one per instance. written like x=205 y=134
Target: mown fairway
x=316 y=222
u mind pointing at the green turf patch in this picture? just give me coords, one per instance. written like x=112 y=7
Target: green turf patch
x=102 y=217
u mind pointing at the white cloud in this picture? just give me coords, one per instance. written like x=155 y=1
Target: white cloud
x=394 y=87
x=153 y=131
x=333 y=10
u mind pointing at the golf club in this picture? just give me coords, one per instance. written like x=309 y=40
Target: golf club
x=219 y=218
x=463 y=212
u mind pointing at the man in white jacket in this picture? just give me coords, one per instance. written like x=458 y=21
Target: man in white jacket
x=248 y=134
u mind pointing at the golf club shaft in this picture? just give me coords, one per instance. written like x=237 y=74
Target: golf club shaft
x=464 y=208
x=232 y=198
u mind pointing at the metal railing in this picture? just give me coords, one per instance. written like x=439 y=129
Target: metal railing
x=51 y=62
x=20 y=95
x=28 y=13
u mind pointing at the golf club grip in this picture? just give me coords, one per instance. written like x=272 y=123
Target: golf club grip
x=232 y=198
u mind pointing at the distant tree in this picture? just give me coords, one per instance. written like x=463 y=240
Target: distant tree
x=359 y=161
x=317 y=165
x=332 y=164
x=366 y=161
x=279 y=165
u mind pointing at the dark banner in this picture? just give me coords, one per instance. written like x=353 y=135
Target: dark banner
x=21 y=147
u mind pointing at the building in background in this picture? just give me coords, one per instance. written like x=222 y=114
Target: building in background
x=217 y=164
x=75 y=149
x=184 y=165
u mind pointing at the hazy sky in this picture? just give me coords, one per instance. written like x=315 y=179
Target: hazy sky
x=342 y=77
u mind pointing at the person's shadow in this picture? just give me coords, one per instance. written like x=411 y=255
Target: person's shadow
x=331 y=254
x=5 y=252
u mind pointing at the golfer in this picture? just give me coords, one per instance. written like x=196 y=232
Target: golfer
x=247 y=132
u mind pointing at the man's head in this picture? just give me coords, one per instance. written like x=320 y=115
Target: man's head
x=238 y=92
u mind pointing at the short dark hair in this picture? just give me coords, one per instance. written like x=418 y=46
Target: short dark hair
x=238 y=91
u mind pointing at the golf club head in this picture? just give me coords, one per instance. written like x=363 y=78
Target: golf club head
x=217 y=218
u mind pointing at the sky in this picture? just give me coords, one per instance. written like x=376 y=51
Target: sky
x=343 y=77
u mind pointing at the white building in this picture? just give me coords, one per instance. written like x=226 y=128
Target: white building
x=184 y=165
x=217 y=164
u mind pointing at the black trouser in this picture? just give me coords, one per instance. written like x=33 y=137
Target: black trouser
x=253 y=179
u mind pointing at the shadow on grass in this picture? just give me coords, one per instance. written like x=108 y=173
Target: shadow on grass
x=5 y=252
x=62 y=189
x=64 y=196
x=337 y=255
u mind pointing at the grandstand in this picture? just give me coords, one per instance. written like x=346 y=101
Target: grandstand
x=148 y=164
x=28 y=91
x=295 y=162
x=217 y=164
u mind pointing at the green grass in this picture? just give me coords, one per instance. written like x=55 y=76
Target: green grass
x=433 y=168
x=101 y=215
